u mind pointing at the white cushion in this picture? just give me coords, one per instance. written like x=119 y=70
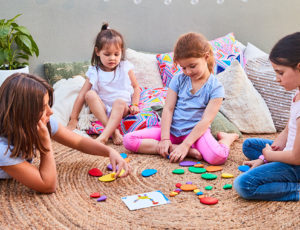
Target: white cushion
x=252 y=52
x=243 y=105
x=145 y=68
x=65 y=94
x=261 y=73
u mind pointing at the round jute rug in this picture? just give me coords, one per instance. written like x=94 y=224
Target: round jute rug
x=72 y=208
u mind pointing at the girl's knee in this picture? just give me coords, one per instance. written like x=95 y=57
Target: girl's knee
x=119 y=102
x=247 y=144
x=90 y=95
x=244 y=187
x=216 y=156
x=131 y=142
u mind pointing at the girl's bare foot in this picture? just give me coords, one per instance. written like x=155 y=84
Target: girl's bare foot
x=194 y=153
x=227 y=138
x=117 y=138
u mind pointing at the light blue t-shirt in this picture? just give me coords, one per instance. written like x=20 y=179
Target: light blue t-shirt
x=6 y=160
x=190 y=107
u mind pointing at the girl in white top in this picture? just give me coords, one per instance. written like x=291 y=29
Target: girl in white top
x=111 y=90
x=279 y=179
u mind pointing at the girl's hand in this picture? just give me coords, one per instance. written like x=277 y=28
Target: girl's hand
x=134 y=109
x=117 y=160
x=72 y=124
x=163 y=147
x=254 y=163
x=267 y=151
x=44 y=135
x=179 y=153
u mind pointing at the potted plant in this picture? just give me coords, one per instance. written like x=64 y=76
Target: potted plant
x=16 y=46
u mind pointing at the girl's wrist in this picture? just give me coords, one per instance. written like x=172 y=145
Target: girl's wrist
x=262 y=157
x=165 y=139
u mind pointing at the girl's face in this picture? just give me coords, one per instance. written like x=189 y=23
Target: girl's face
x=287 y=77
x=110 y=56
x=195 y=68
x=47 y=111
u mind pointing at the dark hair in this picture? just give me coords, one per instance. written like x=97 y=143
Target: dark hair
x=105 y=37
x=21 y=107
x=194 y=45
x=286 y=51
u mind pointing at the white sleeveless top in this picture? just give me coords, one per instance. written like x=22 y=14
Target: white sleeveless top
x=294 y=115
x=112 y=85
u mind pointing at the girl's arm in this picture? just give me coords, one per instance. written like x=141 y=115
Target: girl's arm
x=78 y=105
x=208 y=116
x=289 y=157
x=280 y=142
x=166 y=120
x=91 y=146
x=42 y=179
x=134 y=108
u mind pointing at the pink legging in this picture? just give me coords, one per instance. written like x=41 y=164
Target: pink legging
x=212 y=151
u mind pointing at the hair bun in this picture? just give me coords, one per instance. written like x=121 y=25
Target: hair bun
x=104 y=26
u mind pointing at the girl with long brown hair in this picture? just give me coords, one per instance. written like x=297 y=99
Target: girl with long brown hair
x=26 y=128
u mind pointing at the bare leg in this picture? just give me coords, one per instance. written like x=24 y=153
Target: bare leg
x=96 y=106
x=227 y=138
x=119 y=110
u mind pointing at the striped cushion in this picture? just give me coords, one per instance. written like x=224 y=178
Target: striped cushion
x=260 y=72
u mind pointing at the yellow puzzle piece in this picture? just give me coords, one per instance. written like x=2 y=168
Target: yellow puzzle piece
x=226 y=175
x=110 y=177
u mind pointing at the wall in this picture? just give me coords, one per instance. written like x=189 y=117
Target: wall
x=65 y=29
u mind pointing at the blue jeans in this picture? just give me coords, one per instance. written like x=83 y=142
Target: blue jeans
x=273 y=181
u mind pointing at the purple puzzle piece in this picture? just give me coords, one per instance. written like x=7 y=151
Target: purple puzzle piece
x=187 y=163
x=109 y=167
x=102 y=198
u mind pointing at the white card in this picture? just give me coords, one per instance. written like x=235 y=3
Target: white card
x=145 y=200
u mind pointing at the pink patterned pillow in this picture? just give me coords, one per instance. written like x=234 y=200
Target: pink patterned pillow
x=167 y=68
x=225 y=50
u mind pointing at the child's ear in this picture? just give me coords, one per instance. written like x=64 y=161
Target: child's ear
x=298 y=66
x=206 y=56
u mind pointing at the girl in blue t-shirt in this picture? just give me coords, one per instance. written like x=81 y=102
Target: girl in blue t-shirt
x=193 y=100
x=26 y=127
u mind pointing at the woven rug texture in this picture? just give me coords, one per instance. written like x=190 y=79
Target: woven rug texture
x=71 y=207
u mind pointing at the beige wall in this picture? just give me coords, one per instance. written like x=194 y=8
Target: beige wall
x=65 y=29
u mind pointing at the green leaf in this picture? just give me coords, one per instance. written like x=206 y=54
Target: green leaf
x=35 y=48
x=26 y=41
x=4 y=55
x=4 y=31
x=23 y=56
x=23 y=30
x=13 y=19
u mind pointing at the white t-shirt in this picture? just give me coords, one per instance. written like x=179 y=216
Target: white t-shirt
x=294 y=115
x=112 y=85
x=6 y=160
